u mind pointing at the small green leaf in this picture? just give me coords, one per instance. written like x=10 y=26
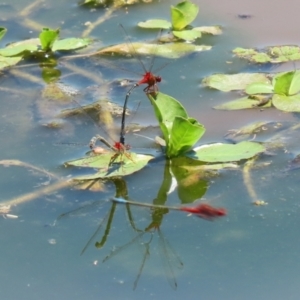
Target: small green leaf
x=167 y=109
x=3 y=31
x=227 y=152
x=173 y=50
x=287 y=103
x=231 y=82
x=287 y=83
x=48 y=37
x=187 y=35
x=155 y=23
x=183 y=14
x=70 y=44
x=241 y=103
x=259 y=88
x=185 y=133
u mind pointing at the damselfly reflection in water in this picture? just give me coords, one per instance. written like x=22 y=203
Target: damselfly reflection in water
x=144 y=239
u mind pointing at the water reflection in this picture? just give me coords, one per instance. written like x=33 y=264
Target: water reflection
x=144 y=237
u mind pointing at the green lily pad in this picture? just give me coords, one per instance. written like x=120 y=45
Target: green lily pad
x=287 y=103
x=6 y=62
x=242 y=103
x=124 y=165
x=155 y=23
x=227 y=152
x=231 y=82
x=176 y=50
x=259 y=88
x=70 y=44
x=18 y=48
x=187 y=35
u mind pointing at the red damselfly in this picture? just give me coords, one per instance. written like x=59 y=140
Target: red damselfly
x=148 y=78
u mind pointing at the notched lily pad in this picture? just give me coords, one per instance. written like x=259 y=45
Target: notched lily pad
x=232 y=82
x=227 y=152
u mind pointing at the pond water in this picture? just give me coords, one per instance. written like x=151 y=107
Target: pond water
x=103 y=250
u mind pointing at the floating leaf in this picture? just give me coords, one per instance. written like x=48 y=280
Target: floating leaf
x=287 y=103
x=18 y=48
x=70 y=44
x=227 y=152
x=8 y=61
x=242 y=103
x=259 y=88
x=131 y=163
x=183 y=14
x=176 y=50
x=231 y=82
x=187 y=35
x=155 y=23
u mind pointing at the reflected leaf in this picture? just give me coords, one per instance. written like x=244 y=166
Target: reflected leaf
x=56 y=91
x=192 y=177
x=231 y=82
x=227 y=152
x=175 y=50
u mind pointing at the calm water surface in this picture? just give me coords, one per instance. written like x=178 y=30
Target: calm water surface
x=253 y=253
